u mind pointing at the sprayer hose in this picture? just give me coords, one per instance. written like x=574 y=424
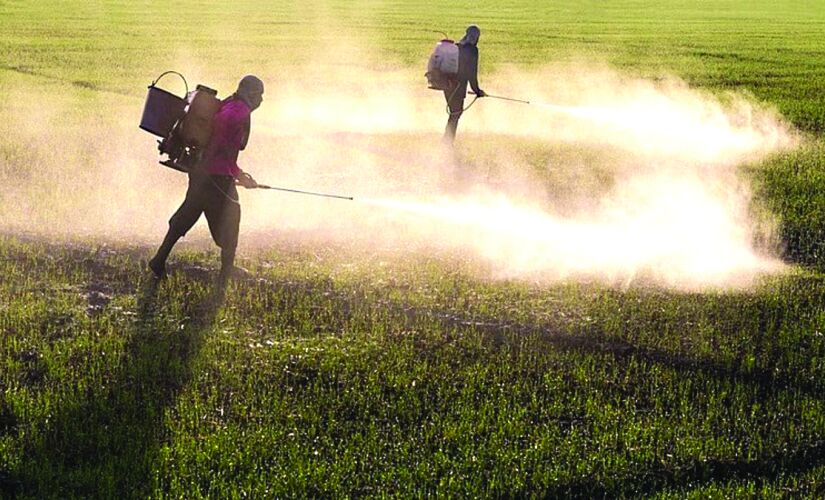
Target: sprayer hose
x=464 y=109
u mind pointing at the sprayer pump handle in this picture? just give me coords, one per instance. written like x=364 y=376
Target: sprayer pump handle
x=185 y=83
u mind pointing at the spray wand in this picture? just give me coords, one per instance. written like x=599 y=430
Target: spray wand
x=503 y=98
x=581 y=112
x=264 y=186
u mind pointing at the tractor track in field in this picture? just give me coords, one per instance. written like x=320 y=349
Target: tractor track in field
x=83 y=84
x=556 y=336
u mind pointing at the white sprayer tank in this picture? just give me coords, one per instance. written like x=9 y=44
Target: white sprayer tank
x=443 y=64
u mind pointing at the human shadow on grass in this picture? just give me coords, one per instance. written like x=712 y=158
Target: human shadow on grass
x=103 y=441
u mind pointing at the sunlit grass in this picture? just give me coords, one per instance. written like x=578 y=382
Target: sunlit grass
x=353 y=376
x=340 y=371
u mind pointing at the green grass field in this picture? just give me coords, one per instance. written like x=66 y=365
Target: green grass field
x=337 y=371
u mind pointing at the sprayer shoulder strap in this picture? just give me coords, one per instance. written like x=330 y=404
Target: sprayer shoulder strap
x=198 y=165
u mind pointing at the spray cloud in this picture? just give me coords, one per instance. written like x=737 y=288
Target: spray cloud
x=603 y=176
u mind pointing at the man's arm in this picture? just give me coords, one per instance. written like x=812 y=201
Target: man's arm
x=238 y=123
x=473 y=80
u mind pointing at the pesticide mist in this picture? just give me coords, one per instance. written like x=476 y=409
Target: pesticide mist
x=603 y=176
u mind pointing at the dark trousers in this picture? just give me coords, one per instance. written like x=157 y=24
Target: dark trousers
x=216 y=197
x=455 y=103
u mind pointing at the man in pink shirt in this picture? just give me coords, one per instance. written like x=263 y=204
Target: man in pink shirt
x=211 y=188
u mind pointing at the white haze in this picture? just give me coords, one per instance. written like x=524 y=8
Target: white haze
x=667 y=204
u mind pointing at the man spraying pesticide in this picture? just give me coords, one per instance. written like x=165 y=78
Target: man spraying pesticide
x=213 y=177
x=202 y=136
x=450 y=68
x=454 y=65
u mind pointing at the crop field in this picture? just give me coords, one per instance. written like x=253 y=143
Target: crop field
x=367 y=353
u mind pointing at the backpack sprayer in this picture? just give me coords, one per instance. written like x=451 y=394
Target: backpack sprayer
x=442 y=69
x=184 y=125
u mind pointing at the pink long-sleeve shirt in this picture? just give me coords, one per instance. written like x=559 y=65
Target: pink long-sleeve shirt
x=230 y=131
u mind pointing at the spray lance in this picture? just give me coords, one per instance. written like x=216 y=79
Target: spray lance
x=298 y=191
x=575 y=111
x=502 y=98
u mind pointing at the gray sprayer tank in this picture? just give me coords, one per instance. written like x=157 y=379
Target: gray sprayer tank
x=162 y=109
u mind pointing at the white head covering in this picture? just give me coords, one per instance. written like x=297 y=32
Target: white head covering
x=471 y=36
